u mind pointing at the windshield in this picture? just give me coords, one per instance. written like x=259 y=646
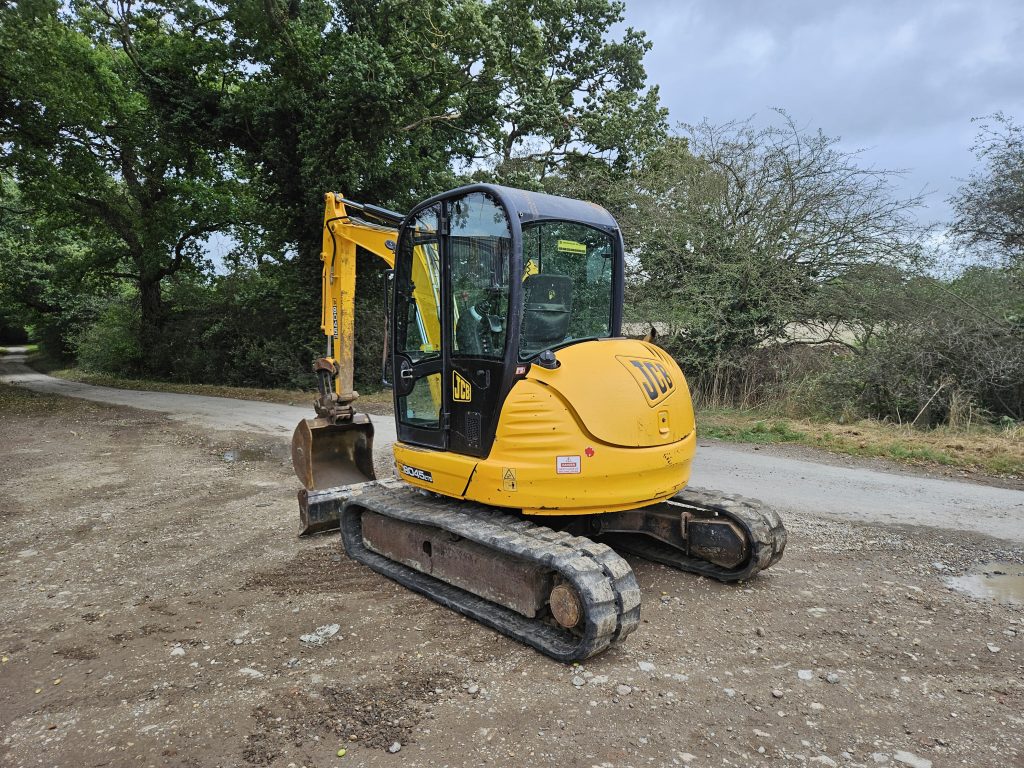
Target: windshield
x=567 y=285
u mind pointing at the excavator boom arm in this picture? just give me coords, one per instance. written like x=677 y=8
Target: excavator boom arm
x=336 y=447
x=341 y=235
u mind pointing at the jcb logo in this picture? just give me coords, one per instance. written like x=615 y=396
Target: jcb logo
x=651 y=376
x=462 y=392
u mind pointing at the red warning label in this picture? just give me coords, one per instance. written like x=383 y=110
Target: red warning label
x=567 y=465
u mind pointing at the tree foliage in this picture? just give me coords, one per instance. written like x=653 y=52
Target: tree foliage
x=989 y=206
x=45 y=282
x=390 y=101
x=105 y=113
x=145 y=126
x=940 y=352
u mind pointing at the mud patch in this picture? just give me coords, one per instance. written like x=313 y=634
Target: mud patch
x=145 y=630
x=77 y=653
x=372 y=716
x=999 y=581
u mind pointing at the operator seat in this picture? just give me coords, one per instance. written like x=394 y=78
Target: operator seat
x=479 y=332
x=547 y=307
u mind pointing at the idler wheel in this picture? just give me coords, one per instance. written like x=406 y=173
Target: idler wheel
x=566 y=606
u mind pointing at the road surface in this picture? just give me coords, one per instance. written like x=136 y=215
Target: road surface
x=819 y=488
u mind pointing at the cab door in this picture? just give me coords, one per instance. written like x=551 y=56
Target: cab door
x=451 y=314
x=479 y=248
x=417 y=341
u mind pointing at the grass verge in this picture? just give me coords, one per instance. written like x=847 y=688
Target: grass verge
x=26 y=402
x=285 y=396
x=986 y=449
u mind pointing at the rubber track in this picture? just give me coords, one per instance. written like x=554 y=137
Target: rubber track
x=604 y=581
x=762 y=525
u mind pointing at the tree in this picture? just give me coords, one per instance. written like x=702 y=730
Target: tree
x=740 y=229
x=106 y=116
x=43 y=283
x=391 y=102
x=147 y=125
x=565 y=93
x=989 y=206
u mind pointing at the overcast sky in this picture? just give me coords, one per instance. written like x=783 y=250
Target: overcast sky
x=901 y=79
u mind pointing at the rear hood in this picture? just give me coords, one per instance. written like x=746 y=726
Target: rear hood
x=624 y=392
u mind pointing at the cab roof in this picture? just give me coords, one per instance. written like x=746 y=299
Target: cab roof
x=537 y=206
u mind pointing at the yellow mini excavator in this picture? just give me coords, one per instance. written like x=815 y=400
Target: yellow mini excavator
x=534 y=442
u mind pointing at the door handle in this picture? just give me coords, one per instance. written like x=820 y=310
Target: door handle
x=406 y=373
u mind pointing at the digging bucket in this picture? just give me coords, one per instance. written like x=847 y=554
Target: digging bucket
x=328 y=455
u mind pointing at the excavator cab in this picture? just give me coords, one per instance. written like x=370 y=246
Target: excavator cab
x=489 y=281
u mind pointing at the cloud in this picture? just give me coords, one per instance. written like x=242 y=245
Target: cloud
x=900 y=78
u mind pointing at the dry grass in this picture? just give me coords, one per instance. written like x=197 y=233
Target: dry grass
x=987 y=449
x=25 y=401
x=285 y=396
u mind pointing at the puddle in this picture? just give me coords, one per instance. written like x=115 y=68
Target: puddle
x=1002 y=582
x=252 y=453
x=245 y=454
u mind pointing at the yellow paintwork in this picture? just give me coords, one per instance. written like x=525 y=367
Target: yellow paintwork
x=639 y=454
x=338 y=283
x=595 y=378
x=450 y=471
x=341 y=236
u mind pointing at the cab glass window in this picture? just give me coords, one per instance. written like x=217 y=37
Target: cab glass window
x=418 y=287
x=567 y=285
x=480 y=245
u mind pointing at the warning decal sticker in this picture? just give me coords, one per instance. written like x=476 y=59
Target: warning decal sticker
x=567 y=465
x=571 y=246
x=508 y=479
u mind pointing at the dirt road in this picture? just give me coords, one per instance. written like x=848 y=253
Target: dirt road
x=152 y=597
x=832 y=488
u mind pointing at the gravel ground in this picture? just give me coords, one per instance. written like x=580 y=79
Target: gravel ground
x=153 y=593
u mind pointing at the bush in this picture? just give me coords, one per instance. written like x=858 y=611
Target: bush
x=261 y=328
x=749 y=378
x=937 y=370
x=113 y=343
x=924 y=351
